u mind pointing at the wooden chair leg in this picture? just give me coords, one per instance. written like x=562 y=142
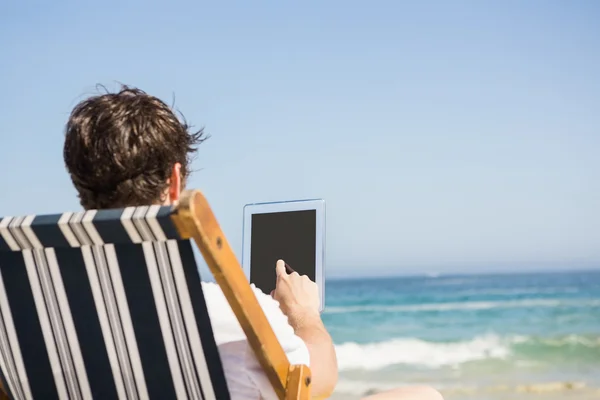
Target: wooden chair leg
x=298 y=385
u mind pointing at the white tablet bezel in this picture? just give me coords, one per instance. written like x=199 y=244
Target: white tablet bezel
x=282 y=206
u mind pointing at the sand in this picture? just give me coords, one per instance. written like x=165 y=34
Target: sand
x=541 y=391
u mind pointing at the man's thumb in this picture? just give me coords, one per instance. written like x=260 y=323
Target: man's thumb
x=280 y=268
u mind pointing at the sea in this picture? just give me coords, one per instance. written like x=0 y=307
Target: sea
x=508 y=336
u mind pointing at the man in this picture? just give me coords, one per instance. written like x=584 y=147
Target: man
x=129 y=149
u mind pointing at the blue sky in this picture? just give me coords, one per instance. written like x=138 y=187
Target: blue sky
x=444 y=136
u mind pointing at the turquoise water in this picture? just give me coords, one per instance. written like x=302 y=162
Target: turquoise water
x=466 y=332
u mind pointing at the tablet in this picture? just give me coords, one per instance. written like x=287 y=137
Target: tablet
x=293 y=231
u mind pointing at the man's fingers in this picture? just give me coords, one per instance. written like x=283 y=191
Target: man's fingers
x=280 y=268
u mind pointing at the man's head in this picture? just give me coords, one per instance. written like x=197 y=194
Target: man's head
x=127 y=149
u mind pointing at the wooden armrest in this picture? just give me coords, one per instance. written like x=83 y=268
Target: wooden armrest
x=298 y=384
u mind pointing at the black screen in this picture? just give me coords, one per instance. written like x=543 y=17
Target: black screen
x=290 y=236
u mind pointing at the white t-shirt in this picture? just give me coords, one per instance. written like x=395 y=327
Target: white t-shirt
x=245 y=377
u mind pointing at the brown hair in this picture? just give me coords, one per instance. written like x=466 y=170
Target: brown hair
x=120 y=148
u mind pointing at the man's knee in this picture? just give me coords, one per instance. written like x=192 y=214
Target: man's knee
x=420 y=393
x=408 y=393
x=428 y=393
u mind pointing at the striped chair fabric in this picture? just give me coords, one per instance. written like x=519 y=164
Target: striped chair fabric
x=104 y=304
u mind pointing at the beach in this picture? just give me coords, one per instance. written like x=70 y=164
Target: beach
x=509 y=336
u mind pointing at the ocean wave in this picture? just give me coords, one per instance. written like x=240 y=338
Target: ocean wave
x=373 y=356
x=568 y=340
x=417 y=352
x=517 y=291
x=441 y=281
x=469 y=305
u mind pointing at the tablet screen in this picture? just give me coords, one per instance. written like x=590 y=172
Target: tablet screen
x=290 y=236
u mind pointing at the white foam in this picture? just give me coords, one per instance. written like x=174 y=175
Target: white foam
x=472 y=305
x=517 y=291
x=374 y=356
x=441 y=281
x=572 y=340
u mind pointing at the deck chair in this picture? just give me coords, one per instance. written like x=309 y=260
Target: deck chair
x=108 y=304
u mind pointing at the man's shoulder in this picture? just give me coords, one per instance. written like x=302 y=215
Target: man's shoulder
x=225 y=325
x=233 y=346
x=215 y=296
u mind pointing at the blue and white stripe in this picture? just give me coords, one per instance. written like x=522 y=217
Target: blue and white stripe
x=113 y=299
x=93 y=227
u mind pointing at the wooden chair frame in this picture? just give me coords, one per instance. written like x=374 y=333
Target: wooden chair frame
x=195 y=220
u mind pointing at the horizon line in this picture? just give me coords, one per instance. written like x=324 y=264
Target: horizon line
x=437 y=274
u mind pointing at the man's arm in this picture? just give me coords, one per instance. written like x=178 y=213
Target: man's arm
x=323 y=360
x=298 y=298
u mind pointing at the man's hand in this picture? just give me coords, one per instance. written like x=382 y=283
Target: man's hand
x=298 y=298
x=297 y=295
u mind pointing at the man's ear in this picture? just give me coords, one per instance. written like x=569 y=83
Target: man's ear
x=175 y=183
